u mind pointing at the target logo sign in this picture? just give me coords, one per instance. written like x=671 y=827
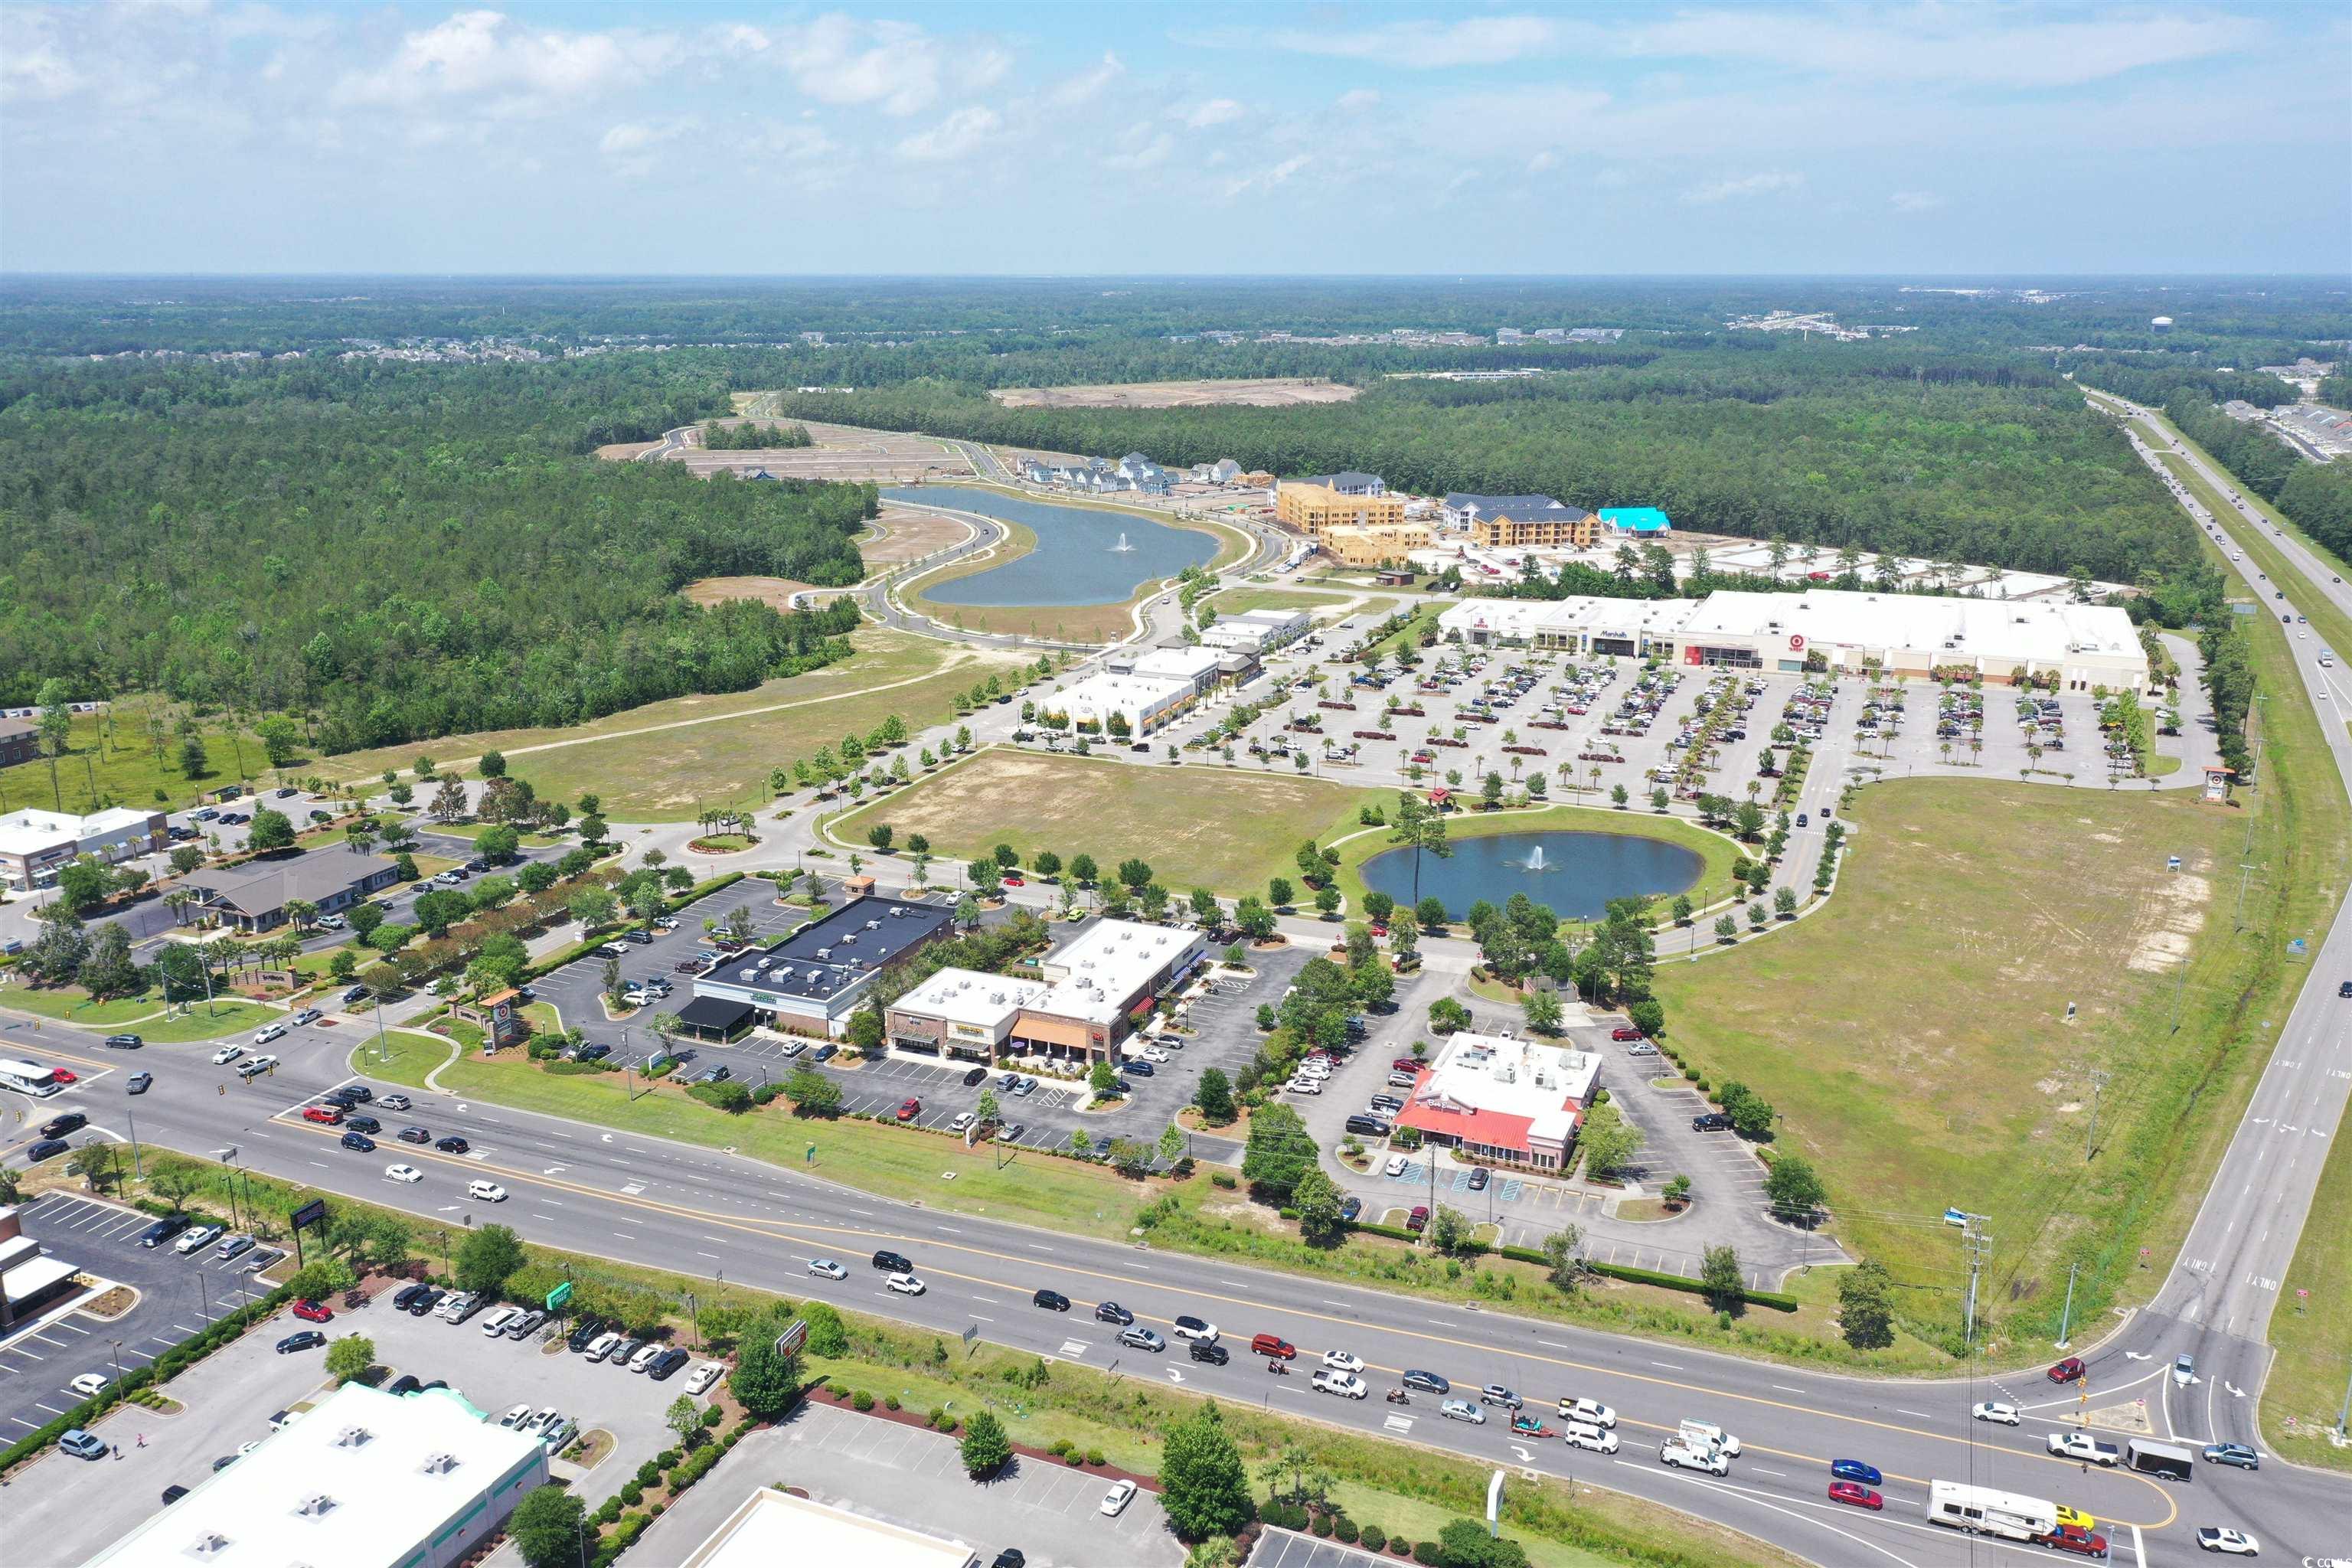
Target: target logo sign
x=1796 y=641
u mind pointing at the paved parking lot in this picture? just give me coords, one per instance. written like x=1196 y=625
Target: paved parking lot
x=178 y=1296
x=1288 y=1549
x=78 y=1506
x=912 y=1478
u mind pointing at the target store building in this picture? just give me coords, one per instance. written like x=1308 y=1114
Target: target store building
x=2076 y=646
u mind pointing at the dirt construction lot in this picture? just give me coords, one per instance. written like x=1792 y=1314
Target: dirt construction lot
x=1280 y=391
x=842 y=452
x=902 y=535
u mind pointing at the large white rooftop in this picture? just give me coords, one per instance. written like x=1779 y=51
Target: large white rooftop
x=974 y=997
x=1097 y=975
x=1509 y=1080
x=359 y=1481
x=2041 y=631
x=774 y=1527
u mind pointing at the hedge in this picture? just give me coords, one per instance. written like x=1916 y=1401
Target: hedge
x=1778 y=1300
x=168 y=1365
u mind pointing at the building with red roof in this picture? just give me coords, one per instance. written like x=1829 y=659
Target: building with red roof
x=1505 y=1100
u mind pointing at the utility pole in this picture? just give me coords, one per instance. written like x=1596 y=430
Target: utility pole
x=1979 y=1244
x=2066 y=1316
x=2091 y=1135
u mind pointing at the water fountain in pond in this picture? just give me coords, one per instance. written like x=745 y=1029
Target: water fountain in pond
x=1535 y=860
x=1122 y=547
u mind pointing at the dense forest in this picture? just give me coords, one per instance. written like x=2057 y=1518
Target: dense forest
x=1845 y=445
x=753 y=436
x=398 y=551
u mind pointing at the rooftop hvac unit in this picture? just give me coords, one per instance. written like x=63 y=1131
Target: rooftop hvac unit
x=439 y=1464
x=211 y=1544
x=316 y=1506
x=849 y=936
x=873 y=925
x=825 y=953
x=747 y=975
x=353 y=1436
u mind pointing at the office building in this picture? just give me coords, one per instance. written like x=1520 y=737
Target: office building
x=810 y=982
x=34 y=843
x=1508 y=1102
x=1088 y=997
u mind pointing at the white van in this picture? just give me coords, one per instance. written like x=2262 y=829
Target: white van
x=497 y=1323
x=488 y=1192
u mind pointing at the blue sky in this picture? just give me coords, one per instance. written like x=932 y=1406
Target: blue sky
x=170 y=135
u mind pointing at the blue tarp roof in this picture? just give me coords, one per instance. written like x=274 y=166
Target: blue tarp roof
x=1637 y=519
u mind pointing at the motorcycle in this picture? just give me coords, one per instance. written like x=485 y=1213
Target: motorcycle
x=1398 y=1396
x=1278 y=1367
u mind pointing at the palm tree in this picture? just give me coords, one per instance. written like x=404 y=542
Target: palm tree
x=177 y=901
x=1596 y=775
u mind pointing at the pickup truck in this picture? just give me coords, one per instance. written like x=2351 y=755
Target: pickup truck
x=2082 y=1445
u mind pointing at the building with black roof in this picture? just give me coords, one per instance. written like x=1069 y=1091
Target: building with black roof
x=810 y=982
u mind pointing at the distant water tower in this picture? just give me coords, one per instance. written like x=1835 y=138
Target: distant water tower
x=2160 y=324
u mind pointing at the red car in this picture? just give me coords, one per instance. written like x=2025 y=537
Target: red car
x=1624 y=1032
x=1419 y=1218
x=1856 y=1493
x=908 y=1112
x=332 y=1115
x=1379 y=930
x=2068 y=1371
x=1405 y=1064
x=2076 y=1539
x=1012 y=879
x=63 y=1076
x=313 y=1313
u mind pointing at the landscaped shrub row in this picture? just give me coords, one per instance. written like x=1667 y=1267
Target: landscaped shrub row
x=1775 y=1300
x=165 y=1367
x=622 y=1529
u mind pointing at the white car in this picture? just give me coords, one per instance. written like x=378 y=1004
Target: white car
x=1394 y=1167
x=1674 y=1451
x=703 y=1376
x=665 y=923
x=89 y=1385
x=963 y=1119
x=256 y=1067
x=1463 y=1410
x=2184 y=1372
x=196 y=1240
x=403 y=1173
x=1347 y=1386
x=827 y=1268
x=907 y=1284
x=227 y=1054
x=275 y=1032
x=1313 y=1069
x=1341 y=1361
x=513 y=1419
x=604 y=1344
x=1154 y=1054
x=1116 y=1499
x=653 y=1352
x=1994 y=1410
x=2236 y=1542
x=1591 y=1412
x=455 y=1305
x=1303 y=1085
x=488 y=1192
x=498 y=1323
x=540 y=1421
x=1585 y=1435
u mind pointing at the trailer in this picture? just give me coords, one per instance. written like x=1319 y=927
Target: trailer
x=1981 y=1510
x=2153 y=1458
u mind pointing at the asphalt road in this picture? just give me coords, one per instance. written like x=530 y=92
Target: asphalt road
x=702 y=1211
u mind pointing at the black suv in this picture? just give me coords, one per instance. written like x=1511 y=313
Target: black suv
x=1215 y=1355
x=1052 y=1300
x=1112 y=1312
x=362 y=1124
x=452 y=1144
x=1713 y=1121
x=897 y=1263
x=578 y=1340
x=360 y=1141
x=164 y=1230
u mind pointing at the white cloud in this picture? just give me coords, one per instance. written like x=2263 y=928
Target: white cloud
x=1420 y=45
x=1216 y=111
x=1086 y=86
x=1914 y=201
x=1542 y=163
x=1144 y=154
x=633 y=146
x=1356 y=97
x=1988 y=47
x=1267 y=179
x=1742 y=187
x=485 y=61
x=896 y=66
x=34 y=66
x=960 y=134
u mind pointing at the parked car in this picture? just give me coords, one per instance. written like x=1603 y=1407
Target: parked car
x=302 y=1339
x=911 y=1109
x=314 y=1311
x=1711 y=1121
x=703 y=1376
x=666 y=1364
x=81 y=1445
x=1116 y=1499
x=498 y=1321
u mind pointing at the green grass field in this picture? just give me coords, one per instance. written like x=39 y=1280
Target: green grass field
x=1228 y=829
x=1326 y=608
x=692 y=752
x=883 y=656
x=1911 y=1034
x=1059 y=1194
x=109 y=761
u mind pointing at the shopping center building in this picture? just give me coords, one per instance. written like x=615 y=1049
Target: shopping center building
x=1087 y=998
x=2076 y=648
x=1510 y=1102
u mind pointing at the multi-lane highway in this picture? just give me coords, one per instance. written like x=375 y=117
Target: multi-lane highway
x=702 y=1211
